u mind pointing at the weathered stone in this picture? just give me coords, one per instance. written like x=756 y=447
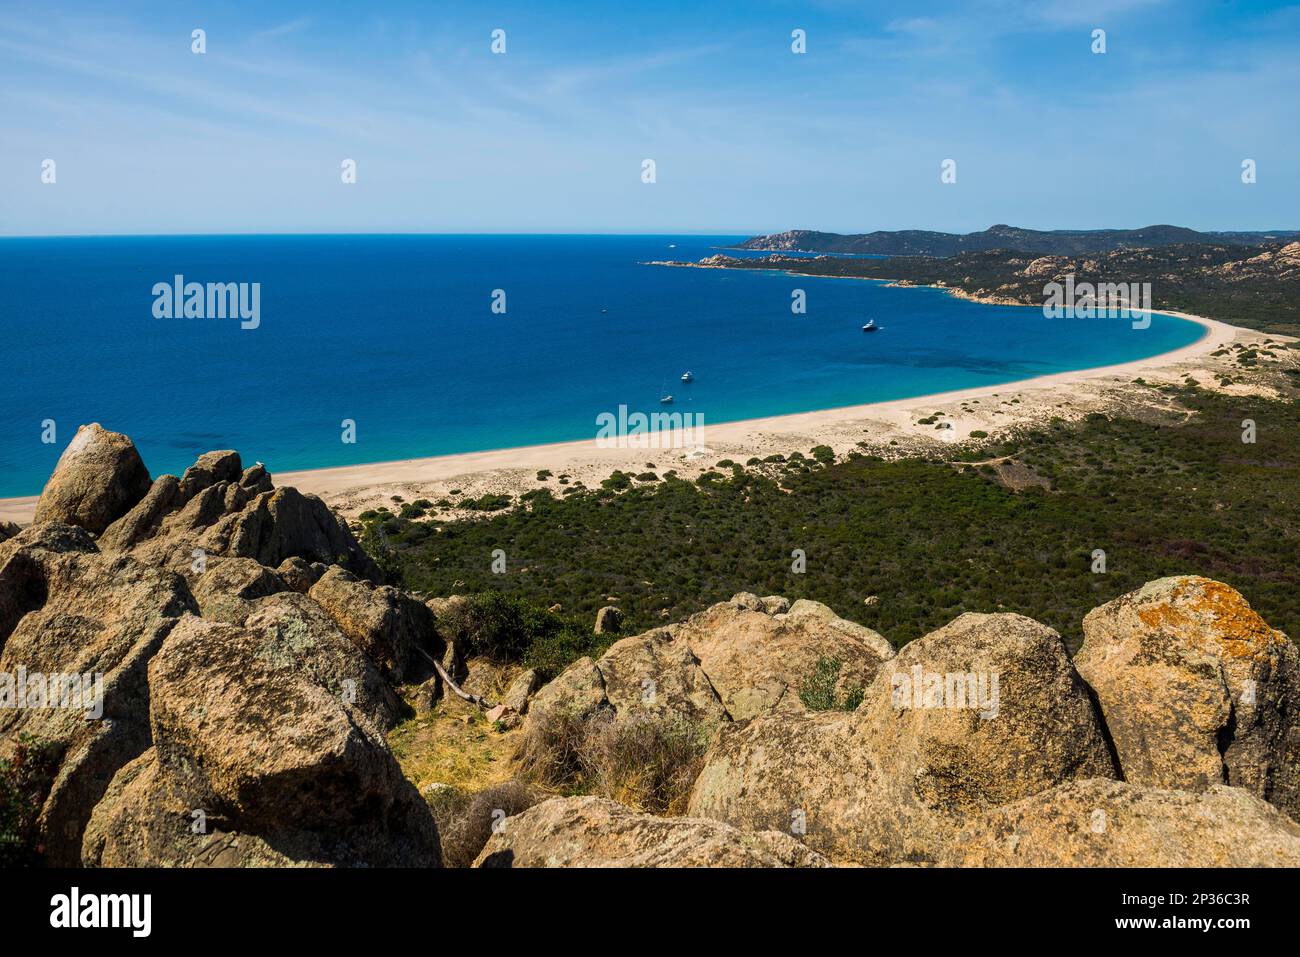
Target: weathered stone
x=66 y=609
x=892 y=781
x=98 y=479
x=143 y=520
x=758 y=660
x=296 y=632
x=658 y=673
x=595 y=832
x=299 y=575
x=1100 y=823
x=521 y=689
x=256 y=479
x=608 y=621
x=257 y=738
x=443 y=606
x=1196 y=690
x=209 y=469
x=391 y=627
x=227 y=590
x=578 y=690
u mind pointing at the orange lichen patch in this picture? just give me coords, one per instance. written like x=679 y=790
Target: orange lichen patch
x=1242 y=633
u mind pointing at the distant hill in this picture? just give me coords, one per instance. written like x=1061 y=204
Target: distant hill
x=1056 y=242
x=1253 y=286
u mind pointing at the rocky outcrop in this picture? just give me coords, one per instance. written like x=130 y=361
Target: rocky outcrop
x=227 y=590
x=738 y=659
x=579 y=690
x=98 y=479
x=267 y=749
x=757 y=651
x=594 y=832
x=87 y=623
x=980 y=713
x=210 y=469
x=219 y=509
x=1112 y=824
x=1197 y=690
x=256 y=736
x=653 y=673
x=521 y=690
x=608 y=621
x=391 y=627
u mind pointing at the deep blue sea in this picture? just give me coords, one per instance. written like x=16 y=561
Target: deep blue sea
x=397 y=334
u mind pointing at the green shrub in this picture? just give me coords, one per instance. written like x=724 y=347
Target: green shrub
x=507 y=629
x=818 y=691
x=24 y=777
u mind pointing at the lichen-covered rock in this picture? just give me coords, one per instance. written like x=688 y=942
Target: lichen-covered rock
x=757 y=654
x=521 y=690
x=658 y=673
x=299 y=574
x=595 y=832
x=391 y=627
x=985 y=710
x=67 y=610
x=145 y=516
x=216 y=510
x=1100 y=823
x=98 y=479
x=982 y=712
x=578 y=690
x=1196 y=690
x=652 y=673
x=296 y=632
x=209 y=469
x=227 y=590
x=811 y=775
x=260 y=741
x=284 y=523
x=145 y=820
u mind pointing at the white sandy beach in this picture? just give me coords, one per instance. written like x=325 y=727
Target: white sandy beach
x=890 y=428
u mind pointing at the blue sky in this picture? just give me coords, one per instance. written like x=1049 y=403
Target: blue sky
x=747 y=136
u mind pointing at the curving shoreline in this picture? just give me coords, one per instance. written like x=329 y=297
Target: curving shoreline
x=891 y=423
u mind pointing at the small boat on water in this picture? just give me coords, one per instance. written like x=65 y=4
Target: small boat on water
x=687 y=377
x=870 y=326
x=666 y=400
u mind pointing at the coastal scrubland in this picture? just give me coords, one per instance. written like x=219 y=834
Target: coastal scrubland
x=902 y=546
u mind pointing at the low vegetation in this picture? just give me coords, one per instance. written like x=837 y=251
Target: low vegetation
x=646 y=761
x=1161 y=495
x=820 y=690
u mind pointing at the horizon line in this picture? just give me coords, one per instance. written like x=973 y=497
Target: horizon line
x=683 y=232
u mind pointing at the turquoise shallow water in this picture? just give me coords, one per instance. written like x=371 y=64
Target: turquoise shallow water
x=397 y=334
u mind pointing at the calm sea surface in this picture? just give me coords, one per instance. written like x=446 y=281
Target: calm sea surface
x=397 y=334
